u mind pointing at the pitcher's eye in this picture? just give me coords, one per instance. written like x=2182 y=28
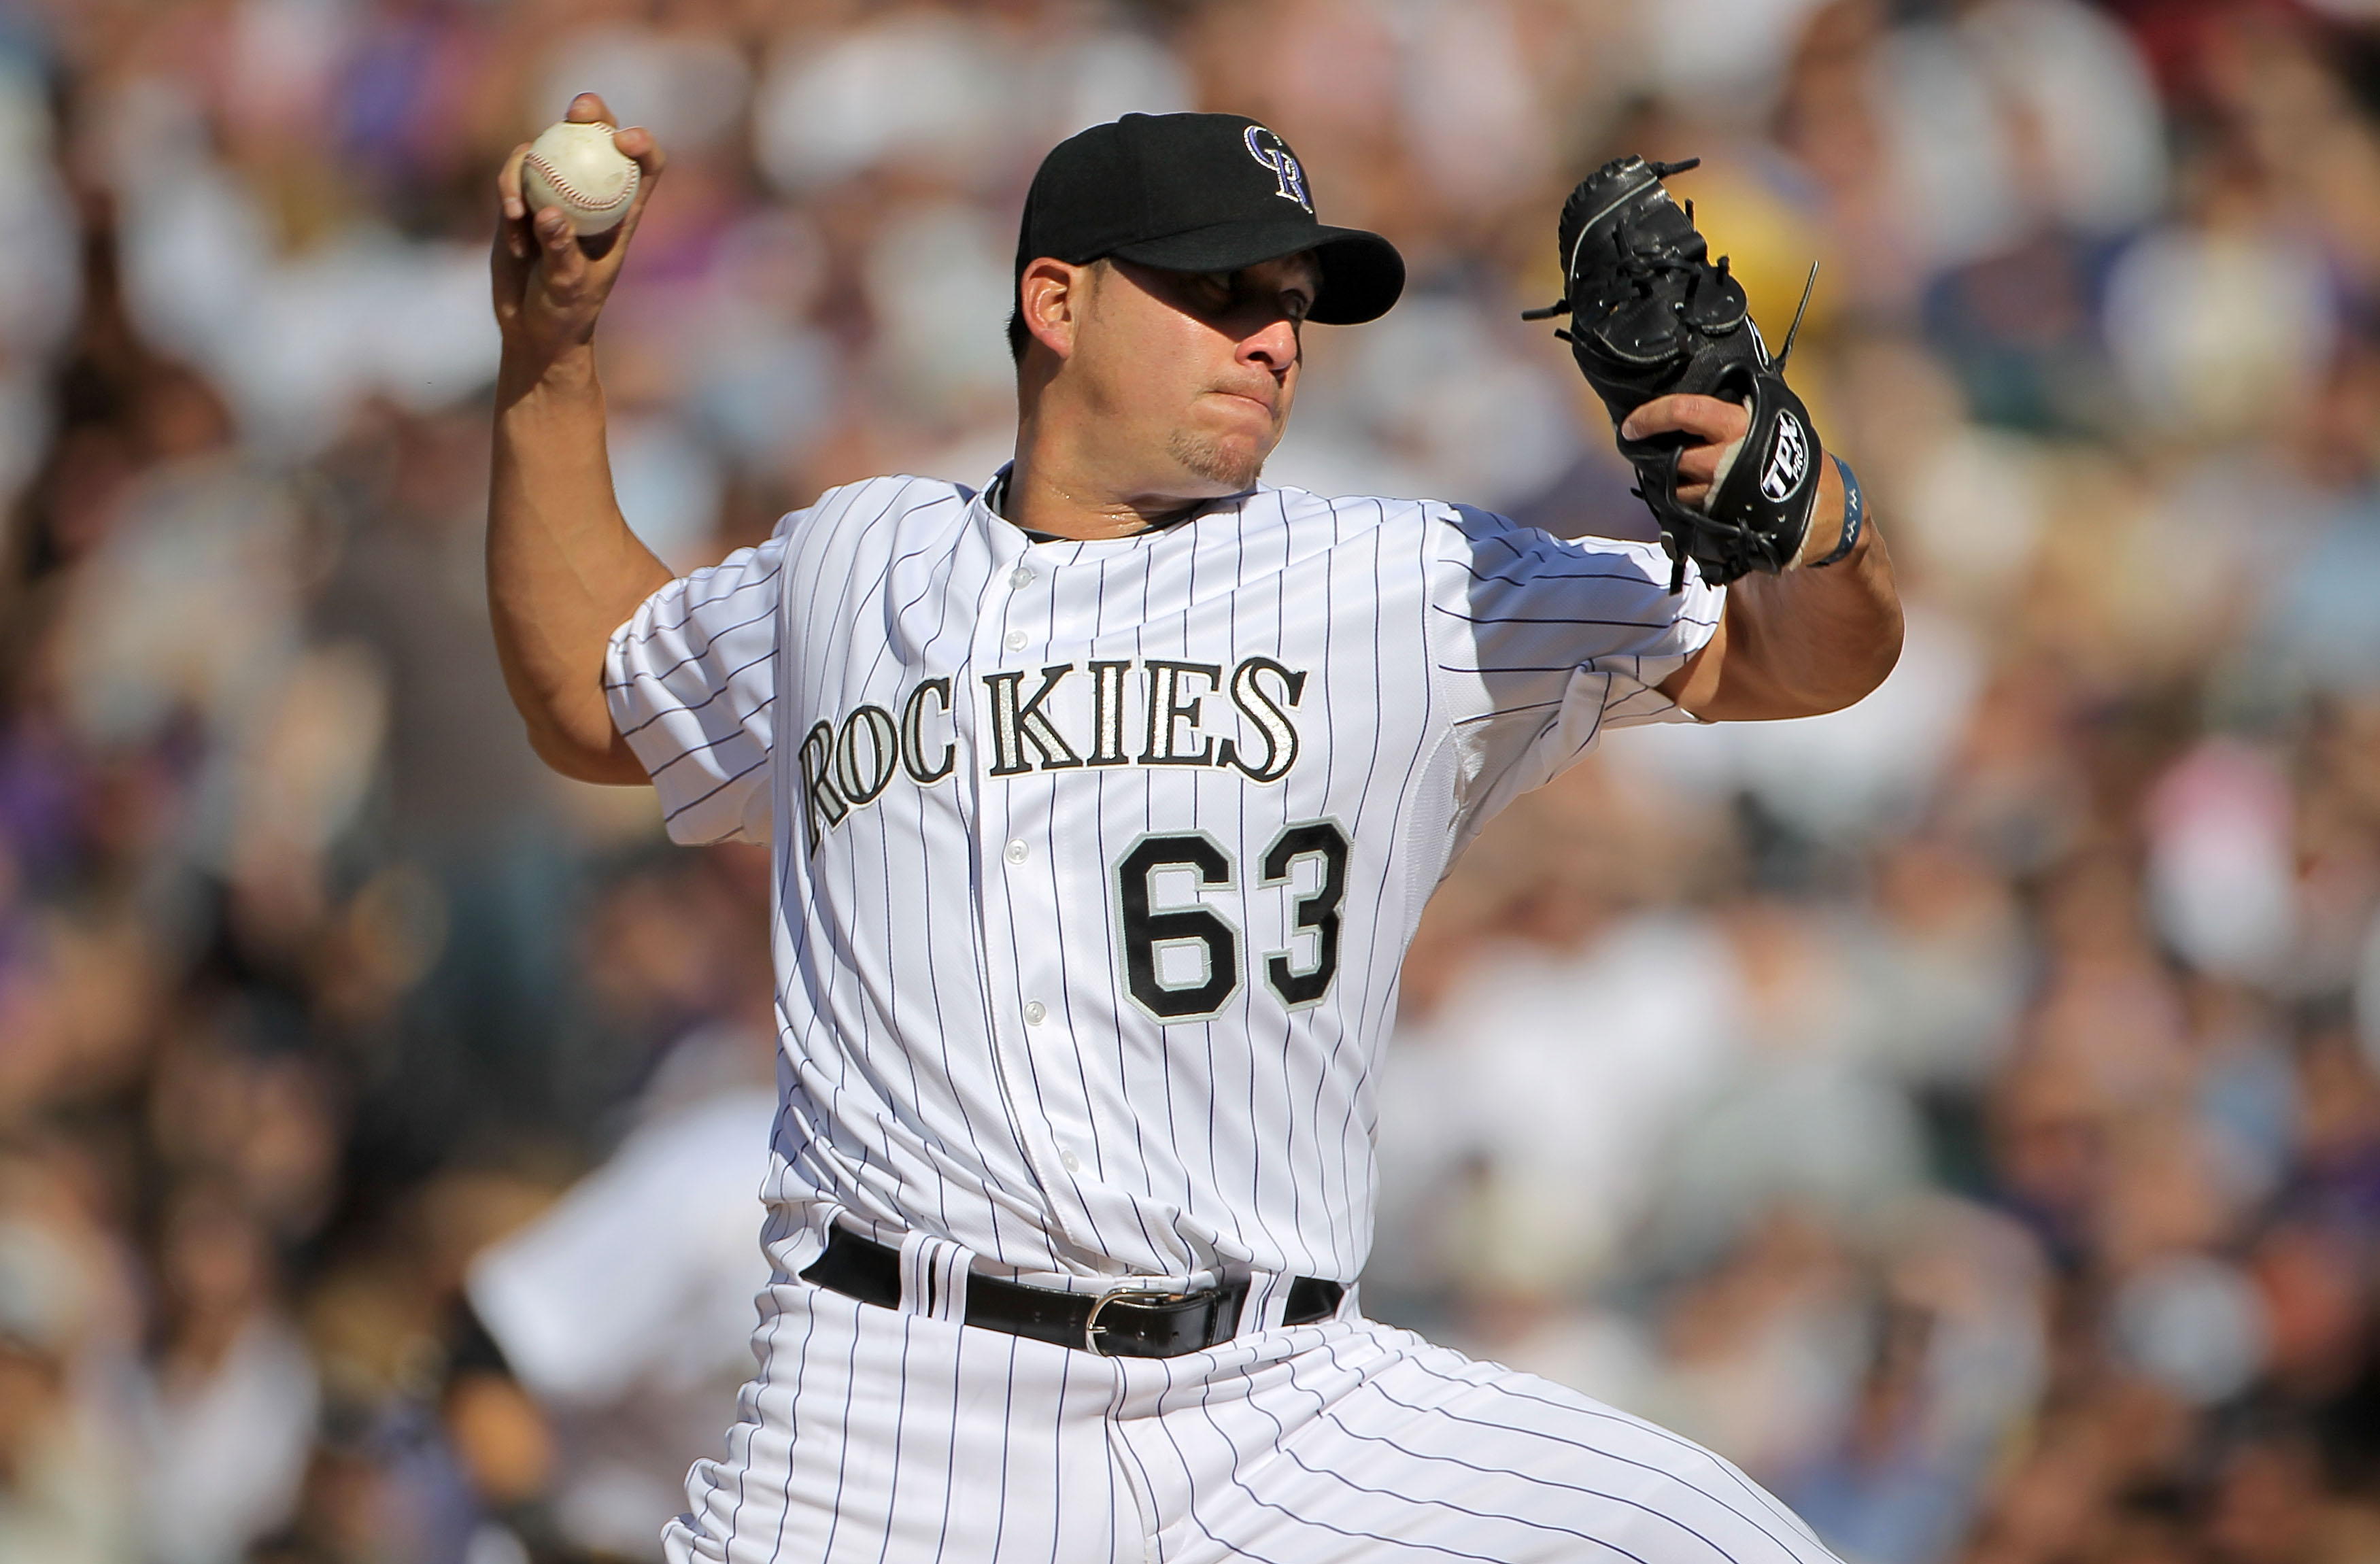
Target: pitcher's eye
x=1213 y=290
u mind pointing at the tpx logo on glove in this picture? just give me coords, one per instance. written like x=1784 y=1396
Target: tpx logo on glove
x=1789 y=461
x=1273 y=154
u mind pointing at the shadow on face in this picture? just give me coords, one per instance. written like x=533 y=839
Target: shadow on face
x=1185 y=379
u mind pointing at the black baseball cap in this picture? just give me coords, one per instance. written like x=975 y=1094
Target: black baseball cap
x=1200 y=192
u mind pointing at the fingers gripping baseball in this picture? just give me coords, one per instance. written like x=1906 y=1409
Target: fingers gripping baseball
x=551 y=282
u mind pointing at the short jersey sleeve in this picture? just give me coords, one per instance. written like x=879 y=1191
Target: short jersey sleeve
x=1543 y=642
x=691 y=678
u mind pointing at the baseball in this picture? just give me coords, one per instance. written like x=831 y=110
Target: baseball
x=578 y=168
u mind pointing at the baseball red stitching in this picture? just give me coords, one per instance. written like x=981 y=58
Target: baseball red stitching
x=569 y=191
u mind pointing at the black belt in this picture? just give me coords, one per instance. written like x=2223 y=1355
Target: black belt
x=1135 y=1321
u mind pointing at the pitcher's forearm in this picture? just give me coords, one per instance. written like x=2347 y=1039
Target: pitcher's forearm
x=564 y=569
x=1807 y=641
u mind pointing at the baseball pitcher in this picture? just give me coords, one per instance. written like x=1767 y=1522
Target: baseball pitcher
x=1103 y=801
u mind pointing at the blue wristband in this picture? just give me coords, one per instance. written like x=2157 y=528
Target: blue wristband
x=1854 y=513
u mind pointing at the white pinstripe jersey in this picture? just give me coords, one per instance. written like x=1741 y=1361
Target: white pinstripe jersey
x=1097 y=861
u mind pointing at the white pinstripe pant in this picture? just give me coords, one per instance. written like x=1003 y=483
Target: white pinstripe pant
x=875 y=1436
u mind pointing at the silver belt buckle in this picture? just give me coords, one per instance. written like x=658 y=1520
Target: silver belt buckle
x=1128 y=1291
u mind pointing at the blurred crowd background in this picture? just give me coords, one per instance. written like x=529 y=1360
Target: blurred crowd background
x=1963 y=1111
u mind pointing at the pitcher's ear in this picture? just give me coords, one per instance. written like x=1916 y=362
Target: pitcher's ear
x=1050 y=302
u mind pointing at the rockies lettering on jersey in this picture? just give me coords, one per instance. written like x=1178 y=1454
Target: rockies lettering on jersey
x=847 y=764
x=1097 y=860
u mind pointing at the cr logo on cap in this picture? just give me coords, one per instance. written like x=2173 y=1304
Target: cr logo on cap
x=1273 y=154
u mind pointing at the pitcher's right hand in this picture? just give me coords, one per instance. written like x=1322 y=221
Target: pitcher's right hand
x=550 y=284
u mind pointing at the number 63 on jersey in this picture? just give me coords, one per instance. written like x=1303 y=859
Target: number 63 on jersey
x=1160 y=941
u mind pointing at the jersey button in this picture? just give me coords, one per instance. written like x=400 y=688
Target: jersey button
x=1020 y=578
x=1017 y=852
x=1035 y=1013
x=1015 y=641
x=1071 y=1162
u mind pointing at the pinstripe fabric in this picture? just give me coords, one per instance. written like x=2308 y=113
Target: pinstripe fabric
x=877 y=1436
x=874 y=1436
x=694 y=704
x=1356 y=1441
x=1095 y=866
x=1388 y=670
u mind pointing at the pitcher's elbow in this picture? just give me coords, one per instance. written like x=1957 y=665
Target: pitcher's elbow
x=586 y=756
x=1858 y=674
x=1884 y=656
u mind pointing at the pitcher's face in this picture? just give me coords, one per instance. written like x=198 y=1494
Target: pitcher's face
x=1196 y=368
